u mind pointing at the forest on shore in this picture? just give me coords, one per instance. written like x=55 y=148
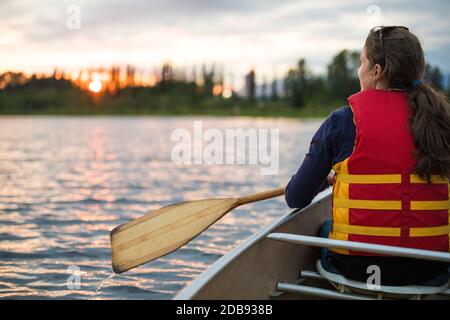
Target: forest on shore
x=299 y=93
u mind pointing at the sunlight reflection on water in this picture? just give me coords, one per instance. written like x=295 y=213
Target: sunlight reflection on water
x=65 y=182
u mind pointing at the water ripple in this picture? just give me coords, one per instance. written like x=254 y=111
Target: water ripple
x=66 y=182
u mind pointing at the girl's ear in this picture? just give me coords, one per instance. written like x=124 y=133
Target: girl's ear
x=378 y=71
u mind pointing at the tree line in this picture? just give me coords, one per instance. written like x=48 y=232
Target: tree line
x=298 y=92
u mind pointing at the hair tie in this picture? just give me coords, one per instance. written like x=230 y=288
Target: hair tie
x=415 y=83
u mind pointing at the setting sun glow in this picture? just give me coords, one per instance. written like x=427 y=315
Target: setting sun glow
x=95 y=86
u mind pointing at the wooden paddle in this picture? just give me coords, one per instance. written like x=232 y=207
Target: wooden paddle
x=162 y=231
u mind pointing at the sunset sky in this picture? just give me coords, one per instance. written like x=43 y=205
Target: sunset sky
x=265 y=34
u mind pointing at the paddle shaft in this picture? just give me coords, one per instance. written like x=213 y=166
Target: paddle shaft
x=260 y=196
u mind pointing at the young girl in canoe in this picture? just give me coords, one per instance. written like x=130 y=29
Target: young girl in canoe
x=390 y=151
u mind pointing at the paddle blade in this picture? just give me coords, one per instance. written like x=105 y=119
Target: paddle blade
x=160 y=232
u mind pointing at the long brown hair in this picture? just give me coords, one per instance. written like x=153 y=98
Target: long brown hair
x=403 y=62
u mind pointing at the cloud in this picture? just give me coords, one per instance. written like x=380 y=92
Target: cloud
x=239 y=34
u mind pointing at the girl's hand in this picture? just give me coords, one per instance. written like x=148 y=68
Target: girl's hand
x=330 y=178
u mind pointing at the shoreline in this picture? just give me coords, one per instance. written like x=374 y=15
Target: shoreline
x=287 y=113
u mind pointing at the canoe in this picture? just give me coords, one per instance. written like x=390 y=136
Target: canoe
x=262 y=268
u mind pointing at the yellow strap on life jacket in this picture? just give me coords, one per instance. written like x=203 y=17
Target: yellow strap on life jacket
x=435 y=179
x=366 y=231
x=429 y=232
x=369 y=178
x=430 y=205
x=390 y=231
x=367 y=204
x=389 y=204
x=385 y=178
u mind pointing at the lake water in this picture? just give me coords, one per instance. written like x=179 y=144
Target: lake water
x=66 y=182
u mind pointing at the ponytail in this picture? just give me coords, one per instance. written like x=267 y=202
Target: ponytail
x=402 y=56
x=429 y=124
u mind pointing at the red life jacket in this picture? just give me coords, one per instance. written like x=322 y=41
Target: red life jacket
x=376 y=196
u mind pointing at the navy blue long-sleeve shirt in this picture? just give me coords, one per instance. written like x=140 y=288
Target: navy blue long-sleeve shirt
x=332 y=143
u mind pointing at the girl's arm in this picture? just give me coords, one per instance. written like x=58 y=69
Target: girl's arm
x=332 y=143
x=311 y=177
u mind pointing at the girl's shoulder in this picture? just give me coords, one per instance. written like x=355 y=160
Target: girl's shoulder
x=341 y=116
x=342 y=133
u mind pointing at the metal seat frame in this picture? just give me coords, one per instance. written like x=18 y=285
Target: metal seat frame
x=350 y=289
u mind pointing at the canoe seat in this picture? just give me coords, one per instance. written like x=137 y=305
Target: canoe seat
x=343 y=284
